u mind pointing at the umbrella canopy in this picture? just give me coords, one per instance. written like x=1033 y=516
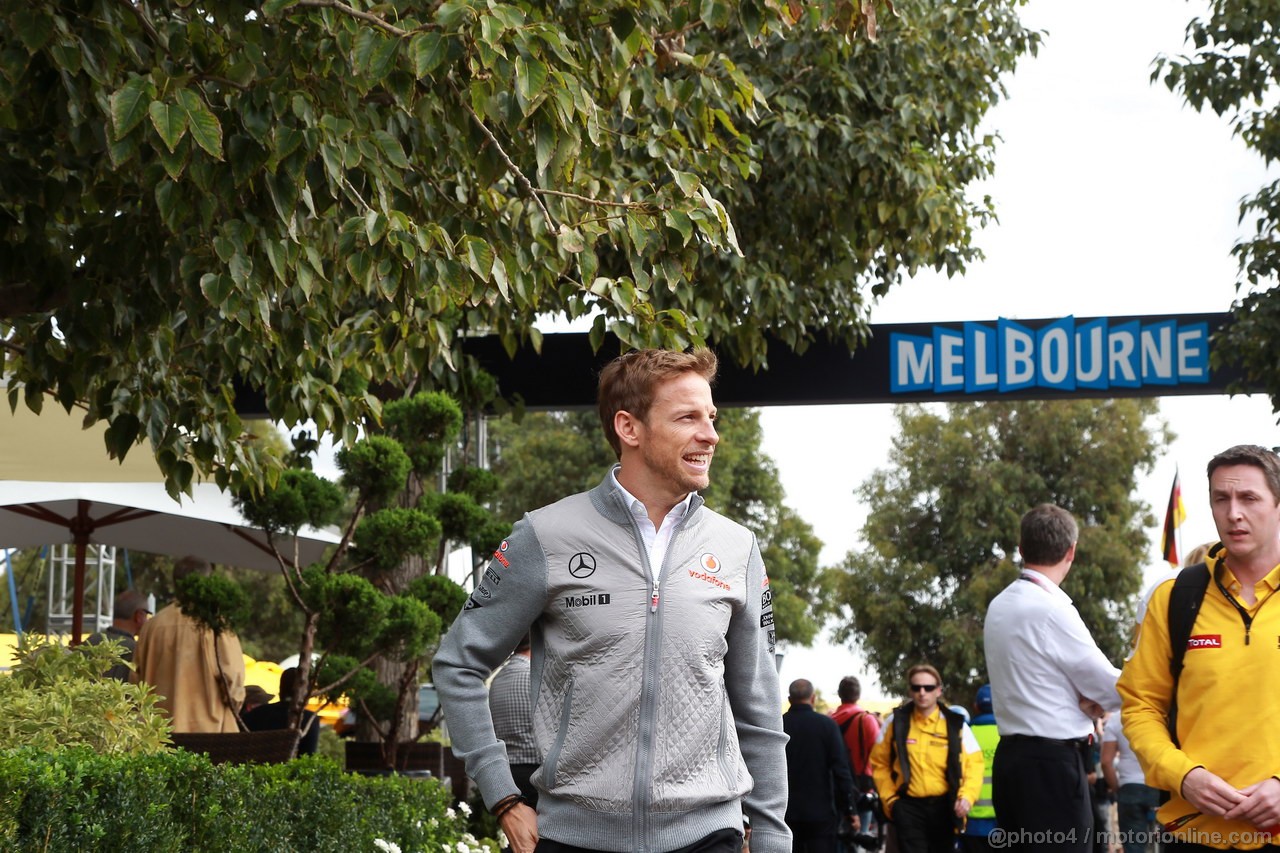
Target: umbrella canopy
x=142 y=517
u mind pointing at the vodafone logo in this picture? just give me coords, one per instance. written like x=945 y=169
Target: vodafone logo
x=710 y=562
x=1204 y=641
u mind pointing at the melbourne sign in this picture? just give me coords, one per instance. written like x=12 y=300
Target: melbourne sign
x=1062 y=355
x=1155 y=355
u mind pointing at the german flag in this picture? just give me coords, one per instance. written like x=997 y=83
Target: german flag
x=1173 y=517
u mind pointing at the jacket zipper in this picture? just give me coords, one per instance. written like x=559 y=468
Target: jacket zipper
x=643 y=787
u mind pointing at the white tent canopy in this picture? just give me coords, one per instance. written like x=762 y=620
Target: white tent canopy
x=142 y=517
x=57 y=485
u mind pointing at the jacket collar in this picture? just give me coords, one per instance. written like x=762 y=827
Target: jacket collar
x=611 y=502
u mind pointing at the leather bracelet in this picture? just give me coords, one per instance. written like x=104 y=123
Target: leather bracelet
x=506 y=804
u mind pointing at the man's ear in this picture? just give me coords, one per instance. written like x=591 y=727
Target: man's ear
x=627 y=426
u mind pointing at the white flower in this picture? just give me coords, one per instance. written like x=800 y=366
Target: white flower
x=447 y=848
x=450 y=813
x=432 y=823
x=502 y=839
x=386 y=846
x=465 y=809
x=463 y=848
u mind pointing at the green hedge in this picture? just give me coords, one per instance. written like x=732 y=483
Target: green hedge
x=78 y=800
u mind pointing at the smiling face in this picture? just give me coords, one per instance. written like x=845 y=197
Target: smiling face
x=668 y=453
x=1247 y=516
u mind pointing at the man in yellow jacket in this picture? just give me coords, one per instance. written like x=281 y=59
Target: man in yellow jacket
x=1221 y=770
x=927 y=766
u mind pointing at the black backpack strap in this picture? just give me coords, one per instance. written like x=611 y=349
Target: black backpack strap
x=1184 y=603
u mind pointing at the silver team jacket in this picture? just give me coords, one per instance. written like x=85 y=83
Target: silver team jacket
x=656 y=701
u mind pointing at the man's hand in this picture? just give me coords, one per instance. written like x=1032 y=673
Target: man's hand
x=962 y=807
x=520 y=825
x=1210 y=793
x=1092 y=709
x=1260 y=806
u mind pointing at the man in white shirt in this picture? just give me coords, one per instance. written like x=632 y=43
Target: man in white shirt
x=1049 y=681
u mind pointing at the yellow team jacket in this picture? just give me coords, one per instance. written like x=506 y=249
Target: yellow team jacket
x=1227 y=703
x=927 y=754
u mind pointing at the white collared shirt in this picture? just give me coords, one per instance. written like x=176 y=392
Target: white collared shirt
x=657 y=539
x=1041 y=660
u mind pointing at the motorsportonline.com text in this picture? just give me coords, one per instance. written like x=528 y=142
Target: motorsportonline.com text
x=1002 y=839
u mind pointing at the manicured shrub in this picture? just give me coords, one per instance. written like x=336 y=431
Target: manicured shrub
x=80 y=800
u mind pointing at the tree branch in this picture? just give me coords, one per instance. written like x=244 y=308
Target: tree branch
x=525 y=186
x=339 y=6
x=643 y=206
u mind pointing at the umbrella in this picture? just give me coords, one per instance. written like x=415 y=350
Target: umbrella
x=57 y=485
x=142 y=517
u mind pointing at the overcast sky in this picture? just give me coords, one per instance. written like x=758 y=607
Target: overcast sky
x=1113 y=199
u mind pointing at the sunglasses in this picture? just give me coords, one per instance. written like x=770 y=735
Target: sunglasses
x=927 y=688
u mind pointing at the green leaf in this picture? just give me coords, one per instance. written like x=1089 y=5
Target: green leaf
x=216 y=288
x=453 y=14
x=206 y=130
x=544 y=142
x=392 y=148
x=129 y=105
x=531 y=79
x=427 y=51
x=689 y=183
x=174 y=162
x=479 y=256
x=169 y=121
x=571 y=240
x=622 y=22
x=383 y=58
x=273 y=8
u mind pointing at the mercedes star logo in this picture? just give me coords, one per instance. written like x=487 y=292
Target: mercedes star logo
x=582 y=565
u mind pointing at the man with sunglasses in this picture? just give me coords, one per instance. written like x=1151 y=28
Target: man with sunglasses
x=1220 y=768
x=1049 y=681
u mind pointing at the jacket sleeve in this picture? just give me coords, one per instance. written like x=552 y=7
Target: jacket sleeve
x=841 y=771
x=1146 y=686
x=751 y=681
x=1086 y=667
x=972 y=765
x=495 y=617
x=881 y=772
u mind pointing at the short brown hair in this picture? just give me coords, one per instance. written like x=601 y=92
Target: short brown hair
x=928 y=668
x=627 y=382
x=189 y=565
x=1047 y=534
x=1251 y=454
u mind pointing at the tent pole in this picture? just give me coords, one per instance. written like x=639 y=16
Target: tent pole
x=81 y=527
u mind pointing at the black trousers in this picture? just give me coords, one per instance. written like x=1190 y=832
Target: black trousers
x=925 y=824
x=720 y=841
x=1041 y=794
x=814 y=836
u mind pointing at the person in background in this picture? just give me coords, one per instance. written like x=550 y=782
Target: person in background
x=129 y=612
x=512 y=710
x=818 y=777
x=200 y=682
x=860 y=729
x=254 y=697
x=1135 y=800
x=275 y=715
x=1049 y=682
x=982 y=817
x=927 y=766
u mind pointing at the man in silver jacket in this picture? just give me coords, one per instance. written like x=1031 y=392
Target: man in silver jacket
x=655 y=694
